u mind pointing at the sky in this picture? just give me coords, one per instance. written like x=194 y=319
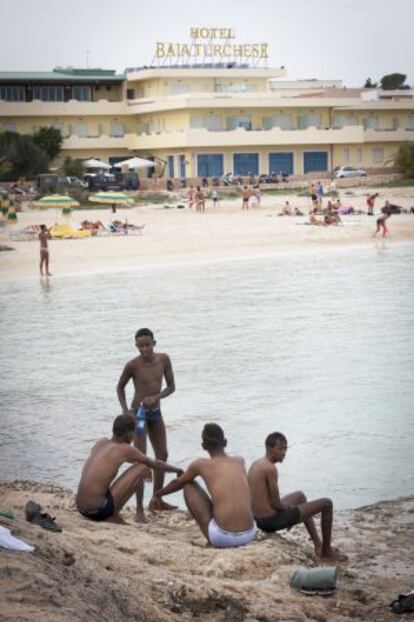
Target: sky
x=349 y=40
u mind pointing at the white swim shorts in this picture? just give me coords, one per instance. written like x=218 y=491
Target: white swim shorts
x=222 y=539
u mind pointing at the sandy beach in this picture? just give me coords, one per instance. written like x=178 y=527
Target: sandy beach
x=164 y=571
x=182 y=235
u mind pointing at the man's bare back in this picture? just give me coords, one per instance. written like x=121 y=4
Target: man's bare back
x=224 y=516
x=226 y=481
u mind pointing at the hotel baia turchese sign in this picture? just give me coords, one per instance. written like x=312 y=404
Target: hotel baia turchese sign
x=211 y=43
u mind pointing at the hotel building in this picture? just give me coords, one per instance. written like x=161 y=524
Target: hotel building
x=208 y=119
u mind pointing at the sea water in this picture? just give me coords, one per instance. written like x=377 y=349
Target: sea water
x=317 y=345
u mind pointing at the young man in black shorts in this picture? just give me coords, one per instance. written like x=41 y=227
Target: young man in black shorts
x=273 y=513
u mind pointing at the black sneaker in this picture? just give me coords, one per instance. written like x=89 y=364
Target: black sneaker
x=46 y=522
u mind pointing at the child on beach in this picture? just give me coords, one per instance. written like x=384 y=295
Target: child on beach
x=101 y=497
x=273 y=513
x=215 y=197
x=226 y=518
x=147 y=371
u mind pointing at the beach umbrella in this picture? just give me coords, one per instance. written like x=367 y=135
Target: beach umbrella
x=93 y=163
x=111 y=198
x=56 y=200
x=135 y=163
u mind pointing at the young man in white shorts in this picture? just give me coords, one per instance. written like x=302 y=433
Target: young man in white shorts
x=225 y=517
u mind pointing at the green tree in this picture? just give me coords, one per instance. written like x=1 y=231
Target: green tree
x=73 y=167
x=404 y=160
x=394 y=81
x=369 y=84
x=49 y=139
x=20 y=157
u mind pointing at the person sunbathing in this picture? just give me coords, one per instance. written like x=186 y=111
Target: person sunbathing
x=90 y=225
x=314 y=221
x=273 y=513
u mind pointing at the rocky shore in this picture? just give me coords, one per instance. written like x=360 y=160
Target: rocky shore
x=163 y=571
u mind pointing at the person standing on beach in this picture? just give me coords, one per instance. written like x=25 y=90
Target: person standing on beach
x=44 y=236
x=147 y=371
x=273 y=513
x=100 y=496
x=245 y=197
x=200 y=200
x=225 y=517
x=371 y=203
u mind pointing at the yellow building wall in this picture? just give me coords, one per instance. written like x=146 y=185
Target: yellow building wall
x=367 y=155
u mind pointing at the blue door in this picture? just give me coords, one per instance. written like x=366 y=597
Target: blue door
x=170 y=166
x=315 y=161
x=210 y=165
x=245 y=163
x=182 y=165
x=281 y=163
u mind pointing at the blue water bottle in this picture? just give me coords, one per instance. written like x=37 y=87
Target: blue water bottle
x=140 y=423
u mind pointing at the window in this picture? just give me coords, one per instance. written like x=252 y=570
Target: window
x=281 y=162
x=145 y=128
x=170 y=166
x=210 y=165
x=82 y=93
x=48 y=93
x=130 y=93
x=377 y=154
x=213 y=123
x=395 y=123
x=239 y=121
x=282 y=121
x=117 y=129
x=309 y=120
x=196 y=122
x=182 y=165
x=342 y=120
x=370 y=123
x=80 y=129
x=12 y=93
x=246 y=163
x=9 y=126
x=346 y=156
x=315 y=161
x=359 y=154
x=410 y=122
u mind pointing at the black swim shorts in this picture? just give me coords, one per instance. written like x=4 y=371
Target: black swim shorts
x=279 y=520
x=105 y=511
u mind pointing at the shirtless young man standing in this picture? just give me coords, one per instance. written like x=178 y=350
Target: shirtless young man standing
x=225 y=518
x=272 y=513
x=44 y=236
x=100 y=496
x=147 y=372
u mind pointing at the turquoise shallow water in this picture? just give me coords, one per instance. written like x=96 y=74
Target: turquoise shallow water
x=316 y=345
